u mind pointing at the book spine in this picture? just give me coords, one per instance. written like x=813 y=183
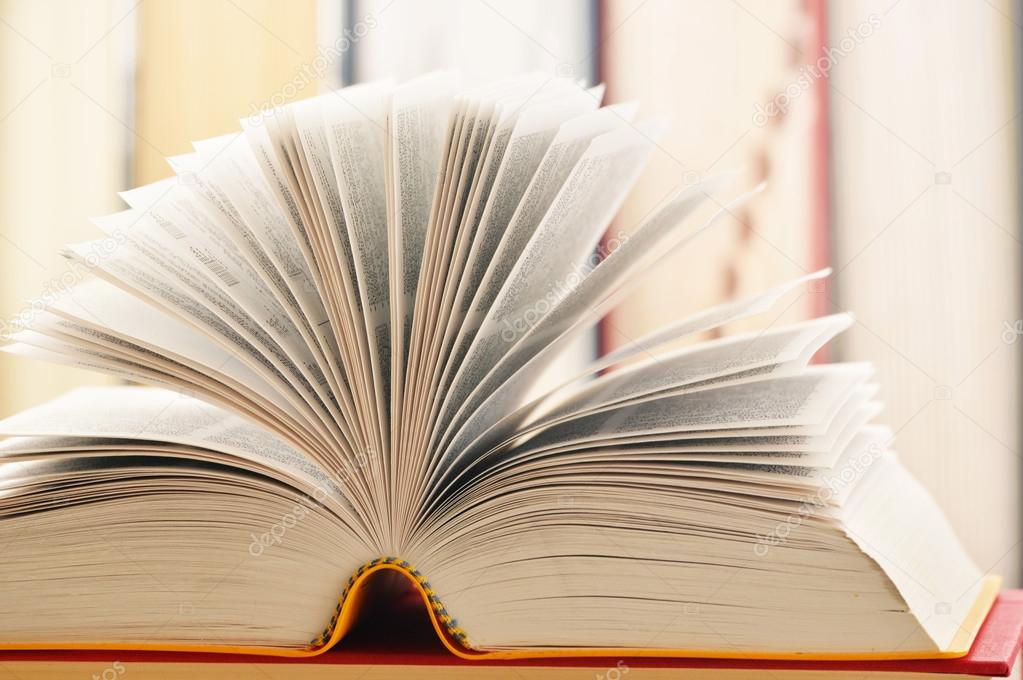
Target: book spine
x=437 y=609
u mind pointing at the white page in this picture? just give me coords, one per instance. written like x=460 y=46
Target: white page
x=173 y=236
x=684 y=372
x=558 y=159
x=236 y=331
x=808 y=399
x=702 y=362
x=903 y=544
x=823 y=450
x=355 y=120
x=224 y=177
x=704 y=320
x=230 y=171
x=301 y=124
x=707 y=319
x=482 y=160
x=125 y=362
x=530 y=135
x=529 y=138
x=106 y=306
x=174 y=221
x=62 y=334
x=303 y=121
x=161 y=415
x=583 y=207
x=417 y=129
x=503 y=388
x=576 y=220
x=280 y=181
x=805 y=403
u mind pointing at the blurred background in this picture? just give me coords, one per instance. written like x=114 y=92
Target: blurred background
x=888 y=131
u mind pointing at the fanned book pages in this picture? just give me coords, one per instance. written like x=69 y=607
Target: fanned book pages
x=347 y=317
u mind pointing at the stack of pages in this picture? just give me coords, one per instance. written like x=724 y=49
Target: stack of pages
x=348 y=315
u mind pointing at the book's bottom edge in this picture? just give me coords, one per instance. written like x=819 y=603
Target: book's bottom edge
x=455 y=640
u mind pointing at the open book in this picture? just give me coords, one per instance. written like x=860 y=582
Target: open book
x=351 y=311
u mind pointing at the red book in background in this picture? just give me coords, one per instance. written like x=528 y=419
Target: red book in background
x=399 y=642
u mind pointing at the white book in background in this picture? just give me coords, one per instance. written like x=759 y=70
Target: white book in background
x=343 y=314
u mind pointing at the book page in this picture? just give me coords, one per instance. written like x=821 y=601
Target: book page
x=705 y=320
x=649 y=345
x=235 y=331
x=730 y=363
x=173 y=237
x=557 y=159
x=417 y=124
x=790 y=346
x=105 y=306
x=810 y=398
x=142 y=413
x=583 y=208
x=504 y=387
x=483 y=160
x=300 y=130
x=530 y=136
x=230 y=173
x=356 y=127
